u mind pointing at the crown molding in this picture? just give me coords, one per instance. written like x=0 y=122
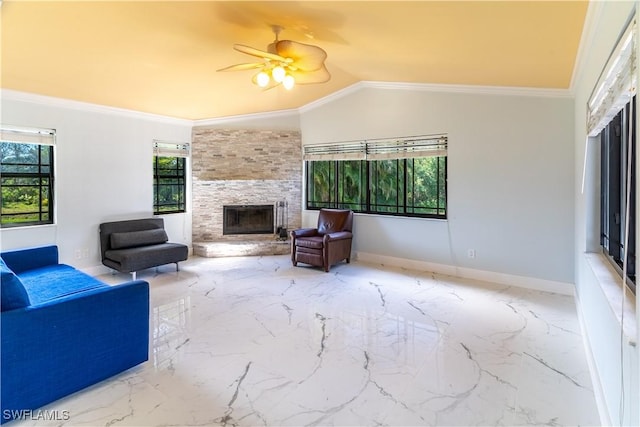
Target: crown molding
x=471 y=89
x=428 y=87
x=332 y=97
x=355 y=87
x=294 y=112
x=12 y=95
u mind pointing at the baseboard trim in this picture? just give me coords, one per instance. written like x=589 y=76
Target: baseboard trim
x=562 y=288
x=95 y=270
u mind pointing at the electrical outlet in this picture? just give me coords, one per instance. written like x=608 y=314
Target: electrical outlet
x=471 y=253
x=78 y=254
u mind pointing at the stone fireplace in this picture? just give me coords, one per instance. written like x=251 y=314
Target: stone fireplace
x=243 y=168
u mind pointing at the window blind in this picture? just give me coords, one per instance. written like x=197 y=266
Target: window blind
x=170 y=149
x=354 y=150
x=379 y=149
x=406 y=148
x=27 y=135
x=617 y=83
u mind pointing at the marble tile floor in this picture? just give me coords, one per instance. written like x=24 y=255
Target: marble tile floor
x=253 y=341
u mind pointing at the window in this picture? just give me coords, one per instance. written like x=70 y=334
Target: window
x=26 y=177
x=394 y=177
x=169 y=177
x=615 y=140
x=611 y=118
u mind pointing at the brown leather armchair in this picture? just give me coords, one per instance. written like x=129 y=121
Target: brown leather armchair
x=327 y=244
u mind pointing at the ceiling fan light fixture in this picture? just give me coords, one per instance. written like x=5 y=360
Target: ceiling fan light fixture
x=278 y=73
x=288 y=82
x=285 y=62
x=262 y=79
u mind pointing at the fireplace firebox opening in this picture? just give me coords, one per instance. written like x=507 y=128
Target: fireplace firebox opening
x=247 y=219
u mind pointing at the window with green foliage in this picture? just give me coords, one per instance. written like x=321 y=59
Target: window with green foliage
x=169 y=177
x=26 y=177
x=169 y=184
x=397 y=178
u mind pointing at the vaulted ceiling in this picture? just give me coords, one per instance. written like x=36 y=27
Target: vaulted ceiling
x=161 y=56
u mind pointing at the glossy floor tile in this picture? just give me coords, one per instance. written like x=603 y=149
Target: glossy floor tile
x=256 y=342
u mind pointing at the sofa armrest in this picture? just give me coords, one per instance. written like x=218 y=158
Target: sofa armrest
x=304 y=232
x=20 y=260
x=56 y=348
x=338 y=235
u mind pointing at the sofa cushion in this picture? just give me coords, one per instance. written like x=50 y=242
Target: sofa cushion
x=312 y=242
x=135 y=259
x=134 y=239
x=330 y=221
x=56 y=281
x=21 y=260
x=12 y=291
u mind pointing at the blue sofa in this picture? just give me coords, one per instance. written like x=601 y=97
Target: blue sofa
x=62 y=330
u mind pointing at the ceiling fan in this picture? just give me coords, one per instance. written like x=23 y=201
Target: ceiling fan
x=285 y=62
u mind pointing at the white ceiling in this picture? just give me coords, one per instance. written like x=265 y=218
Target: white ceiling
x=162 y=57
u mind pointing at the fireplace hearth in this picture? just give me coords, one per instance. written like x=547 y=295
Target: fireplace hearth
x=247 y=219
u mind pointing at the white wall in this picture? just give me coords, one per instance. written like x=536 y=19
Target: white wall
x=510 y=177
x=103 y=172
x=595 y=296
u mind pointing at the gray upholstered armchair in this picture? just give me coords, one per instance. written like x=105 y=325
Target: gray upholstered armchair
x=327 y=244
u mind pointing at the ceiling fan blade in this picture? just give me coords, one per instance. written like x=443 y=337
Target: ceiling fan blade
x=321 y=75
x=241 y=67
x=305 y=57
x=257 y=52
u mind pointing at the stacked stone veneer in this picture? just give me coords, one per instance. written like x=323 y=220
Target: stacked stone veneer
x=243 y=167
